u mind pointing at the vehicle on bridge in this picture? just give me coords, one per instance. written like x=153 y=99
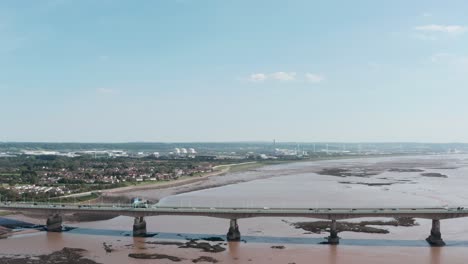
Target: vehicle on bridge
x=139 y=203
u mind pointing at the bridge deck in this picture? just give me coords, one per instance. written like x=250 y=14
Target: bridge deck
x=237 y=213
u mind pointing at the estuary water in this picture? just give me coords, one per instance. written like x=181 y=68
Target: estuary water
x=431 y=181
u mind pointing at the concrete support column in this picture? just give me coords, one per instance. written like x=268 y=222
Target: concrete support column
x=139 y=226
x=333 y=239
x=435 y=238
x=54 y=223
x=233 y=233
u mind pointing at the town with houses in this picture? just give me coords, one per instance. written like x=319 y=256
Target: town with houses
x=53 y=174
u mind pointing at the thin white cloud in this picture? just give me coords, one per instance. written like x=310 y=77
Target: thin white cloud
x=283 y=76
x=258 y=77
x=286 y=77
x=450 y=29
x=314 y=78
x=106 y=91
x=426 y=14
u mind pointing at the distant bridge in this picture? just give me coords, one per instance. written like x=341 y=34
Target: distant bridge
x=54 y=212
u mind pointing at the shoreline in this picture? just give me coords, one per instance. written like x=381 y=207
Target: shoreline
x=167 y=184
x=217 y=171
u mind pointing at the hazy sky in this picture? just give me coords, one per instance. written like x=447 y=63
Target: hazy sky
x=213 y=70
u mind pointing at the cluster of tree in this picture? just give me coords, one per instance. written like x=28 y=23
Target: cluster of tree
x=26 y=176
x=9 y=195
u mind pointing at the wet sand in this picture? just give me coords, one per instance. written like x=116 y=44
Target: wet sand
x=168 y=184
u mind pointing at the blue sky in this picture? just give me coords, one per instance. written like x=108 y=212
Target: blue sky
x=211 y=70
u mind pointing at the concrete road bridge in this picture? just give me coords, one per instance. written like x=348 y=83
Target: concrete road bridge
x=54 y=213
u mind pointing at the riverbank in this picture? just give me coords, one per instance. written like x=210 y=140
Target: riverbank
x=117 y=194
x=218 y=170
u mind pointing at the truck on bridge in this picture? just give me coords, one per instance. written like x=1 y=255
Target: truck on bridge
x=139 y=203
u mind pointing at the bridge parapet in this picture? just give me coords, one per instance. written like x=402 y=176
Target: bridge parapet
x=238 y=213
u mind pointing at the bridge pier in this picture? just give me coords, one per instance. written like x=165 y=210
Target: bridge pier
x=233 y=233
x=333 y=239
x=139 y=226
x=54 y=223
x=435 y=238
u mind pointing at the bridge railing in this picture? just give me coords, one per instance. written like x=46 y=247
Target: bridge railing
x=234 y=209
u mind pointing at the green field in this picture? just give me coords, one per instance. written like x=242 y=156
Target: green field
x=78 y=199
